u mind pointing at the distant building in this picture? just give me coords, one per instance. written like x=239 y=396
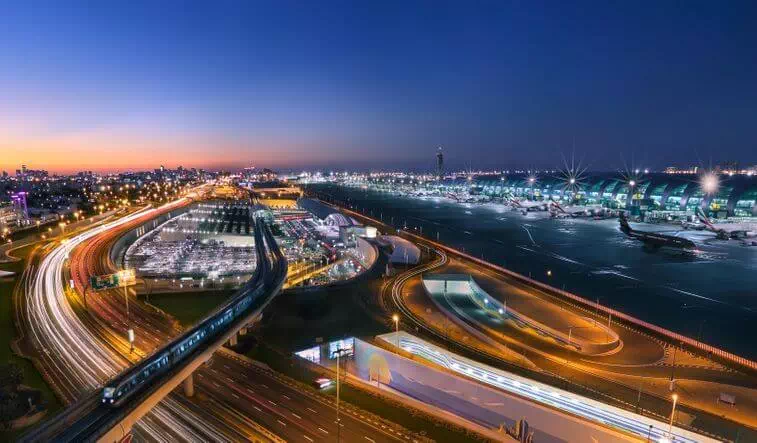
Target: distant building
x=439 y=163
x=10 y=216
x=677 y=170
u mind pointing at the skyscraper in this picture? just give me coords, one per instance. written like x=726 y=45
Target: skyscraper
x=439 y=163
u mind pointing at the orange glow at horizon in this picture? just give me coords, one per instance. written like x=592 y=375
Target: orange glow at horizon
x=115 y=154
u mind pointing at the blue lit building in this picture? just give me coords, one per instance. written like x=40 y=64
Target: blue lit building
x=735 y=197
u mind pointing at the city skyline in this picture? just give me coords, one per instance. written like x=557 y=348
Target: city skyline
x=115 y=87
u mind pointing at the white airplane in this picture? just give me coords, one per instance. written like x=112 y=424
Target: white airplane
x=559 y=211
x=725 y=231
x=528 y=205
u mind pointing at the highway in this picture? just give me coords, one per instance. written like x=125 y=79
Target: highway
x=616 y=379
x=291 y=411
x=216 y=413
x=135 y=385
x=76 y=361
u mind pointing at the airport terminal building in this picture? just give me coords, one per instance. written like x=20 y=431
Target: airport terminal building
x=734 y=197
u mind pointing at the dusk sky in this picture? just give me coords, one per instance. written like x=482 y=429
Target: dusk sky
x=128 y=85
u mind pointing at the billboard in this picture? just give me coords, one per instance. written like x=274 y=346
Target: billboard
x=346 y=346
x=313 y=354
x=127 y=277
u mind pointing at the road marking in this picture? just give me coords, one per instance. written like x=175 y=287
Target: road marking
x=312 y=410
x=281 y=422
x=250 y=390
x=309 y=439
x=264 y=385
x=257 y=409
x=229 y=380
x=369 y=439
x=323 y=430
x=285 y=397
x=296 y=415
x=235 y=396
x=217 y=385
x=269 y=401
x=227 y=367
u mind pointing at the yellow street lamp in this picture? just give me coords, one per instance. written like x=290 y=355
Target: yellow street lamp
x=396 y=319
x=672 y=414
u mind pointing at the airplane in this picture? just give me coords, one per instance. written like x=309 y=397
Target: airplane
x=653 y=239
x=725 y=231
x=528 y=205
x=452 y=196
x=556 y=210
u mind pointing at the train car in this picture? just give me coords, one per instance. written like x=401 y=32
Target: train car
x=129 y=382
x=122 y=387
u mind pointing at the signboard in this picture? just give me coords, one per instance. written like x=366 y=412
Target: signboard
x=127 y=277
x=313 y=354
x=346 y=347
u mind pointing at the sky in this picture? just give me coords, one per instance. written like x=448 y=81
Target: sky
x=366 y=85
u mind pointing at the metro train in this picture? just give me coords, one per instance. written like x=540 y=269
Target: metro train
x=123 y=386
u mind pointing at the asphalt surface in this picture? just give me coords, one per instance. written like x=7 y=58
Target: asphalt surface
x=291 y=412
x=233 y=399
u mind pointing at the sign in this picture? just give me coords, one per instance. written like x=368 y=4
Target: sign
x=127 y=277
x=344 y=347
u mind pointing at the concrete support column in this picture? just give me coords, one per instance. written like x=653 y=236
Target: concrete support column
x=233 y=340
x=189 y=386
x=243 y=330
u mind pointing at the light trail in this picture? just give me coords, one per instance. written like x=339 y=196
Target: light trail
x=79 y=360
x=583 y=407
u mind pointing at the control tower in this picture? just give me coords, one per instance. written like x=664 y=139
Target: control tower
x=439 y=163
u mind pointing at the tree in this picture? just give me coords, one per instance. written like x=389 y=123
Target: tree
x=11 y=376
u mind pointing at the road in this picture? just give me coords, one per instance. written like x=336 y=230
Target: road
x=225 y=408
x=76 y=361
x=290 y=411
x=603 y=380
x=34 y=236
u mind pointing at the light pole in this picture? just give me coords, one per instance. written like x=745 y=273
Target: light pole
x=396 y=319
x=672 y=414
x=338 y=420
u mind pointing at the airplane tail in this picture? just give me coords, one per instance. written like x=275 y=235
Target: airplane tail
x=557 y=205
x=624 y=226
x=703 y=217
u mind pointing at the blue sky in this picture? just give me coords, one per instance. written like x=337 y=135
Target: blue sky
x=111 y=85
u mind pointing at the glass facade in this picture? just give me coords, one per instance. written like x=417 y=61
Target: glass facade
x=745 y=205
x=736 y=196
x=673 y=202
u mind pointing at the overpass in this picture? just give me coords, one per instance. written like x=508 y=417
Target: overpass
x=108 y=415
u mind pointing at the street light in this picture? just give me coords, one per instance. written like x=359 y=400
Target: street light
x=672 y=414
x=338 y=420
x=396 y=319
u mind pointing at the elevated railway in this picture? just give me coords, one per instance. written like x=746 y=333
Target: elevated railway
x=109 y=414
